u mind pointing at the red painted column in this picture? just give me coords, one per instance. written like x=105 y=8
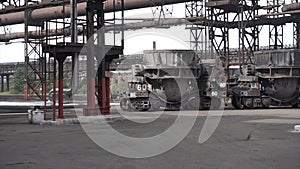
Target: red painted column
x=105 y=96
x=54 y=101
x=99 y=91
x=103 y=90
x=54 y=92
x=25 y=92
x=45 y=100
x=61 y=88
x=107 y=105
x=90 y=95
x=90 y=109
x=60 y=99
x=90 y=13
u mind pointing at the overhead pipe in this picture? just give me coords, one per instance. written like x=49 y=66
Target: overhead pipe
x=291 y=7
x=49 y=13
x=150 y=24
x=67 y=31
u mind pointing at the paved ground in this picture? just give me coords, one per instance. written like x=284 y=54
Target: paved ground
x=248 y=139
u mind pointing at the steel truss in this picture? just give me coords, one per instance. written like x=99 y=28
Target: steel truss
x=219 y=36
x=248 y=36
x=275 y=31
x=160 y=10
x=35 y=68
x=296 y=29
x=198 y=33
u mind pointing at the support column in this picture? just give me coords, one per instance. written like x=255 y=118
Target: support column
x=7 y=82
x=298 y=35
x=26 y=51
x=96 y=50
x=54 y=91
x=90 y=59
x=2 y=83
x=61 y=87
x=74 y=39
x=103 y=89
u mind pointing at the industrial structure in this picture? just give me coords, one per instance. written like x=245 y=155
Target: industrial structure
x=55 y=30
x=174 y=80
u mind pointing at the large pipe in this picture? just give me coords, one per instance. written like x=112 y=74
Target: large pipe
x=49 y=13
x=291 y=7
x=151 y=24
x=67 y=31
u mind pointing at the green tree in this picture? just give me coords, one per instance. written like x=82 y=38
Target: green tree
x=118 y=87
x=19 y=81
x=82 y=86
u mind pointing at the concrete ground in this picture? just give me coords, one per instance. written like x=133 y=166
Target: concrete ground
x=244 y=139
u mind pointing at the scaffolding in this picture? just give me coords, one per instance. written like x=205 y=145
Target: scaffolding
x=275 y=31
x=224 y=17
x=296 y=30
x=35 y=69
x=198 y=33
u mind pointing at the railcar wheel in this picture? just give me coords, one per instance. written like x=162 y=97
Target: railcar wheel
x=236 y=102
x=124 y=104
x=215 y=103
x=193 y=103
x=154 y=105
x=295 y=105
x=247 y=102
x=266 y=102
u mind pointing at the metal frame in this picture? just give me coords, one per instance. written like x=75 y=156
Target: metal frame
x=160 y=9
x=275 y=31
x=34 y=59
x=296 y=29
x=11 y=3
x=219 y=36
x=248 y=36
x=198 y=33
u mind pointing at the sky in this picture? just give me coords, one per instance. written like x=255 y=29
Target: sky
x=139 y=40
